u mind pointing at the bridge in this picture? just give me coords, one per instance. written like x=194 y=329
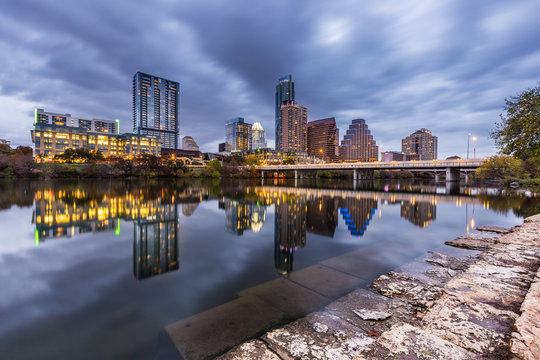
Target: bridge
x=364 y=170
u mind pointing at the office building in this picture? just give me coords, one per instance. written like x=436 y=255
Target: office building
x=238 y=135
x=420 y=143
x=224 y=147
x=53 y=133
x=284 y=92
x=323 y=139
x=389 y=156
x=188 y=143
x=258 y=137
x=155 y=108
x=294 y=127
x=421 y=214
x=358 y=143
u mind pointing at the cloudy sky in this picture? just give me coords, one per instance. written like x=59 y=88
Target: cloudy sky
x=401 y=65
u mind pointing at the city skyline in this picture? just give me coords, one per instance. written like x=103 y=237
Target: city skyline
x=446 y=66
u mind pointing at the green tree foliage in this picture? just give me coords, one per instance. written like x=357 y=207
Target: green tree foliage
x=500 y=167
x=252 y=160
x=79 y=155
x=518 y=133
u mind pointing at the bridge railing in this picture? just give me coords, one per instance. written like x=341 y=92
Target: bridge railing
x=431 y=164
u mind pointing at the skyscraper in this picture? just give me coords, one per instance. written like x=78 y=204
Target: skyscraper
x=294 y=127
x=188 y=143
x=238 y=135
x=284 y=92
x=155 y=108
x=258 y=139
x=420 y=143
x=323 y=139
x=358 y=143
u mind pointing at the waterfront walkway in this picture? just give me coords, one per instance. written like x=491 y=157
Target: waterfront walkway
x=479 y=303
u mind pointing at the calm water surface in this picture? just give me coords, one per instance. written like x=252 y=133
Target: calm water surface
x=96 y=270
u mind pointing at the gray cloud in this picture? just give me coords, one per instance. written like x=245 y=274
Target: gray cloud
x=442 y=65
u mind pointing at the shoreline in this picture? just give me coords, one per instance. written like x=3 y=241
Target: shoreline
x=479 y=304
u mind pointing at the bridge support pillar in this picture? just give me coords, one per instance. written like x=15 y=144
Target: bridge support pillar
x=355 y=175
x=452 y=174
x=466 y=178
x=437 y=177
x=262 y=174
x=295 y=175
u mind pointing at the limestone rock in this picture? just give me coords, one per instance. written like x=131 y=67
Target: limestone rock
x=493 y=229
x=449 y=262
x=407 y=288
x=525 y=341
x=317 y=336
x=250 y=350
x=472 y=242
x=404 y=341
x=368 y=300
x=371 y=315
x=532 y=219
x=477 y=327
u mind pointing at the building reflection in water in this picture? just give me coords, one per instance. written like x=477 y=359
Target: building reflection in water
x=155 y=243
x=421 y=214
x=298 y=211
x=64 y=213
x=241 y=216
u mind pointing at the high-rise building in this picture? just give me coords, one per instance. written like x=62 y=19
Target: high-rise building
x=294 y=127
x=420 y=143
x=284 y=92
x=238 y=134
x=188 y=143
x=258 y=139
x=358 y=143
x=155 y=108
x=323 y=139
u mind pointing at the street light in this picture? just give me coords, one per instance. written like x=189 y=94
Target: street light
x=468 y=137
x=474 y=142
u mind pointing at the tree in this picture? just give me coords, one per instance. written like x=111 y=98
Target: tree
x=252 y=160
x=518 y=134
x=499 y=167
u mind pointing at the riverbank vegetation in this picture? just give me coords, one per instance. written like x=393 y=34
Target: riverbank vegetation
x=517 y=136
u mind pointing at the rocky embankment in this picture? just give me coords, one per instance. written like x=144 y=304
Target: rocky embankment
x=479 y=303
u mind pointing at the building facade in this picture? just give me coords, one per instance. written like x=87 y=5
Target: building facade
x=420 y=143
x=294 y=127
x=53 y=133
x=358 y=143
x=238 y=134
x=389 y=156
x=188 y=143
x=258 y=139
x=155 y=108
x=284 y=92
x=323 y=139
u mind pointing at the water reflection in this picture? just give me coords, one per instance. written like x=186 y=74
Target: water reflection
x=66 y=211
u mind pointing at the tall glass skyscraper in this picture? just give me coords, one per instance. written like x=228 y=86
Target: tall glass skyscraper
x=284 y=92
x=238 y=135
x=155 y=108
x=258 y=139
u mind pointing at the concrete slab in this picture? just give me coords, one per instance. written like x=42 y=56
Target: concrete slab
x=250 y=350
x=292 y=299
x=317 y=336
x=477 y=327
x=404 y=341
x=212 y=332
x=326 y=281
x=363 y=299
